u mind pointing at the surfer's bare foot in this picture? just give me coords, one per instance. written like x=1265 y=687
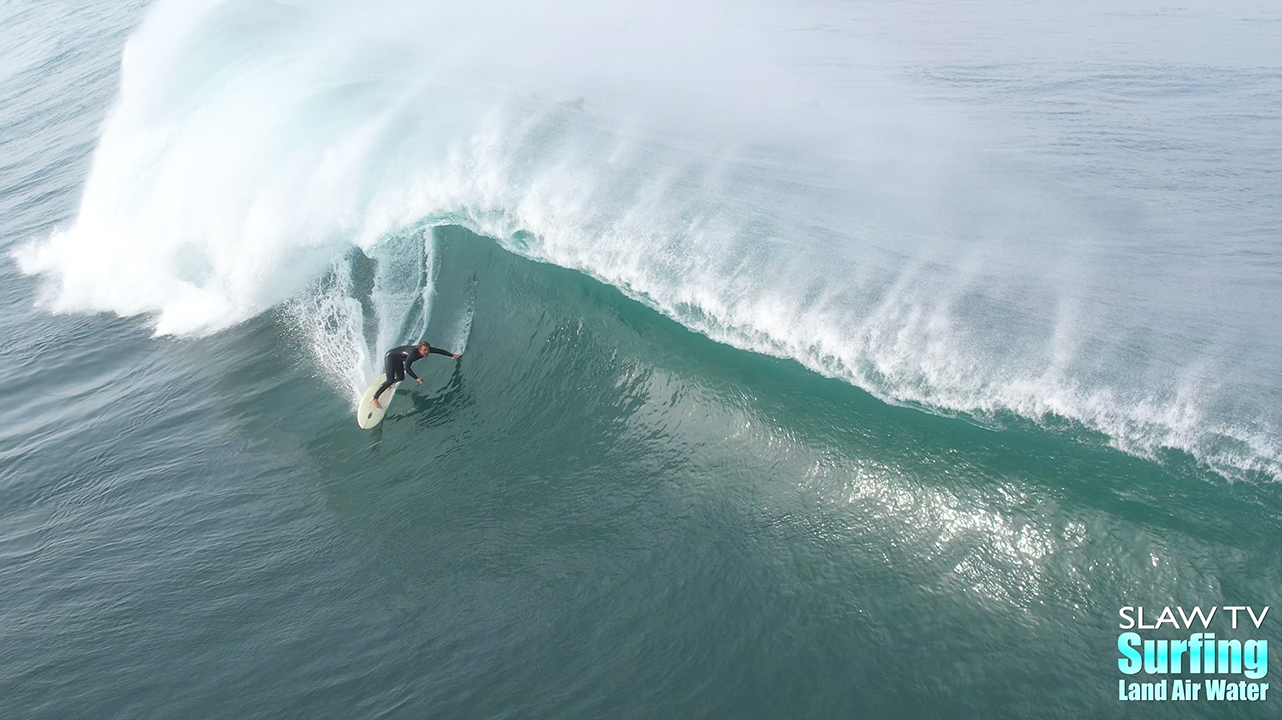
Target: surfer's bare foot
x=374 y=402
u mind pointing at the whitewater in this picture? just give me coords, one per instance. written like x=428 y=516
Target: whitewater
x=818 y=184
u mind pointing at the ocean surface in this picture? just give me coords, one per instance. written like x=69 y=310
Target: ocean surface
x=821 y=359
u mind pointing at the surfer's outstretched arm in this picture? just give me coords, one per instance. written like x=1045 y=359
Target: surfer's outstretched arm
x=440 y=351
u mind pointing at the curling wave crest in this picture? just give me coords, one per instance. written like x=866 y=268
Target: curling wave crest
x=771 y=180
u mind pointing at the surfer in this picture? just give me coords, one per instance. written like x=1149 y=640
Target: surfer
x=398 y=360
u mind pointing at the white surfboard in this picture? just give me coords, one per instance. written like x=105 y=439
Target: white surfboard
x=367 y=416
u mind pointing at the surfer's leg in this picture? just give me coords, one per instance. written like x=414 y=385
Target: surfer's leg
x=395 y=373
x=392 y=365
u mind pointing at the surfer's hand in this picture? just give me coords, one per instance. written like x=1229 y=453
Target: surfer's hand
x=420 y=380
x=456 y=356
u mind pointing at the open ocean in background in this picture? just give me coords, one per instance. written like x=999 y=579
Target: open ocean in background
x=822 y=359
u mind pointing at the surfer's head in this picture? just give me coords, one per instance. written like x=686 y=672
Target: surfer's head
x=423 y=347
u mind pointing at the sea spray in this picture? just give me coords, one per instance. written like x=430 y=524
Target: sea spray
x=403 y=288
x=329 y=323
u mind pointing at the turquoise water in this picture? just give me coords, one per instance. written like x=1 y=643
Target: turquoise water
x=868 y=374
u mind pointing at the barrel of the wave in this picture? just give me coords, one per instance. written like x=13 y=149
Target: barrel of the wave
x=368 y=414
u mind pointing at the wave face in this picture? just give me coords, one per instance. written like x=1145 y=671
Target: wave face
x=1003 y=231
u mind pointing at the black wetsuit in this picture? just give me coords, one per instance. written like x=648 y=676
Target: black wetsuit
x=398 y=361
